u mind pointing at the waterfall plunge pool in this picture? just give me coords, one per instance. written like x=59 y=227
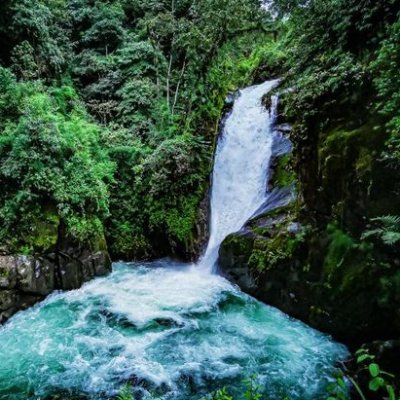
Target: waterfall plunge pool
x=170 y=330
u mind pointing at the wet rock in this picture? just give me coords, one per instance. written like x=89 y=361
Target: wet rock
x=34 y=275
x=4 y=251
x=8 y=298
x=266 y=101
x=12 y=301
x=25 y=280
x=231 y=97
x=8 y=272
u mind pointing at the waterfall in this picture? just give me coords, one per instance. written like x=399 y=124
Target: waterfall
x=173 y=332
x=240 y=174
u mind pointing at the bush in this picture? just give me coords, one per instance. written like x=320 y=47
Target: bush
x=51 y=164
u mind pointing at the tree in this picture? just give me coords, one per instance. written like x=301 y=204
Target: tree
x=52 y=166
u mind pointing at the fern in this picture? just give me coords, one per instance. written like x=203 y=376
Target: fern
x=387 y=230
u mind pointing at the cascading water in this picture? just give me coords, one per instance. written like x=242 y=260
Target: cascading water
x=171 y=331
x=241 y=167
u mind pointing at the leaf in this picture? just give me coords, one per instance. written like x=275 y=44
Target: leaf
x=391 y=393
x=341 y=383
x=360 y=351
x=364 y=357
x=374 y=370
x=376 y=383
x=331 y=387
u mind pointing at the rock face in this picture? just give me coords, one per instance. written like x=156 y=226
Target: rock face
x=25 y=280
x=308 y=256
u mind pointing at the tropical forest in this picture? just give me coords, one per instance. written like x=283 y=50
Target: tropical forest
x=200 y=200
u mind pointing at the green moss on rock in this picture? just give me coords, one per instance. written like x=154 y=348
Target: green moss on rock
x=283 y=174
x=339 y=245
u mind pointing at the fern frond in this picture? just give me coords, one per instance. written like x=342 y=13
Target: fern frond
x=391 y=238
x=388 y=230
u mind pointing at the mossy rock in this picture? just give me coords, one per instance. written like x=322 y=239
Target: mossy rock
x=44 y=235
x=283 y=174
x=239 y=243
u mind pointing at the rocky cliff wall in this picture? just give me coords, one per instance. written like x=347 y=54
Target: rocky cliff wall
x=313 y=257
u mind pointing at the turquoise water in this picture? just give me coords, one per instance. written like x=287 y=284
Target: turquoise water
x=174 y=331
x=170 y=330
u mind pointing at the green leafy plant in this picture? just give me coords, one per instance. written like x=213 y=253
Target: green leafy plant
x=387 y=230
x=252 y=391
x=338 y=390
x=126 y=393
x=379 y=380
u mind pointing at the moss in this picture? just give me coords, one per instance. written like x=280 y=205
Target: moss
x=44 y=234
x=272 y=252
x=364 y=161
x=4 y=273
x=353 y=148
x=284 y=213
x=283 y=174
x=258 y=260
x=239 y=244
x=340 y=243
x=353 y=272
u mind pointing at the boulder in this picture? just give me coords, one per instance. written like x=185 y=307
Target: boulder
x=34 y=275
x=25 y=280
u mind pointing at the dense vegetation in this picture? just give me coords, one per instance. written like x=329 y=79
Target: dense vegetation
x=108 y=115
x=342 y=63
x=109 y=110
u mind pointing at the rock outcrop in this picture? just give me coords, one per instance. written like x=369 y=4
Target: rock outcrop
x=25 y=280
x=309 y=257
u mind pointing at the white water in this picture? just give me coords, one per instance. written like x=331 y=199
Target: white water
x=240 y=174
x=173 y=332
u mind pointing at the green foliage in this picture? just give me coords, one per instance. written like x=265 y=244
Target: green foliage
x=283 y=174
x=378 y=380
x=387 y=79
x=52 y=165
x=237 y=62
x=125 y=394
x=167 y=191
x=387 y=82
x=33 y=39
x=273 y=252
x=154 y=75
x=221 y=394
x=340 y=244
x=387 y=230
x=338 y=390
x=251 y=391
